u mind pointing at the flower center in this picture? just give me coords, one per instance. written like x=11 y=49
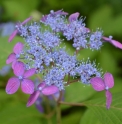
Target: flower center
x=106 y=87
x=20 y=77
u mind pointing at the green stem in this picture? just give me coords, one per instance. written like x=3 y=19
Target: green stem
x=58 y=113
x=73 y=81
x=71 y=104
x=58 y=109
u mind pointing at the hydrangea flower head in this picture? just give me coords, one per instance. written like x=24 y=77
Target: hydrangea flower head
x=100 y=84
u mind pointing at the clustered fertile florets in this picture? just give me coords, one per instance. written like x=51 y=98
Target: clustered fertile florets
x=41 y=53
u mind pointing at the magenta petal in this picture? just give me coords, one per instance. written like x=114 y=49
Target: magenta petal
x=19 y=68
x=11 y=58
x=97 y=83
x=109 y=80
x=27 y=20
x=12 y=85
x=13 y=64
x=44 y=18
x=60 y=12
x=73 y=16
x=29 y=73
x=27 y=86
x=33 y=97
x=87 y=30
x=18 y=47
x=108 y=99
x=41 y=85
x=49 y=90
x=12 y=36
x=38 y=104
x=114 y=42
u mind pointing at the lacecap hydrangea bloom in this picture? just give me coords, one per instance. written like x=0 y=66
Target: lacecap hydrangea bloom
x=42 y=54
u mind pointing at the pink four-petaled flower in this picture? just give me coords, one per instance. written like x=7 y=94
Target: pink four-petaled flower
x=12 y=58
x=100 y=84
x=27 y=85
x=44 y=89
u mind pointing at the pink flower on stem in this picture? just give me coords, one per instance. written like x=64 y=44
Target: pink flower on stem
x=27 y=85
x=100 y=84
x=41 y=88
x=113 y=42
x=12 y=58
x=16 y=31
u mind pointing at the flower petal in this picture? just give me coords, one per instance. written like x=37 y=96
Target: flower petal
x=11 y=58
x=29 y=73
x=19 y=68
x=12 y=85
x=109 y=80
x=41 y=85
x=27 y=86
x=12 y=35
x=33 y=97
x=13 y=64
x=60 y=12
x=114 y=42
x=18 y=47
x=27 y=20
x=108 y=99
x=74 y=16
x=49 y=90
x=44 y=18
x=38 y=104
x=97 y=83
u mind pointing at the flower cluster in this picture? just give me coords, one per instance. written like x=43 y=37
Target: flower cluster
x=42 y=54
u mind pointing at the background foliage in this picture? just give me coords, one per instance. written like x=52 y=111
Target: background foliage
x=105 y=14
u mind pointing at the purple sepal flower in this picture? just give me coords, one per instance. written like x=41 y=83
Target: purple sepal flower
x=16 y=31
x=52 y=13
x=113 y=42
x=44 y=89
x=61 y=12
x=27 y=85
x=12 y=35
x=100 y=84
x=12 y=58
x=74 y=16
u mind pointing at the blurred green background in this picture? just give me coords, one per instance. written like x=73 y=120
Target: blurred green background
x=105 y=14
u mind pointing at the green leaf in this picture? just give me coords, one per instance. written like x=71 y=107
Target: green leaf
x=111 y=116
x=107 y=61
x=19 y=10
x=19 y=114
x=78 y=92
x=6 y=48
x=100 y=18
x=73 y=116
x=103 y=18
x=89 y=118
x=114 y=26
